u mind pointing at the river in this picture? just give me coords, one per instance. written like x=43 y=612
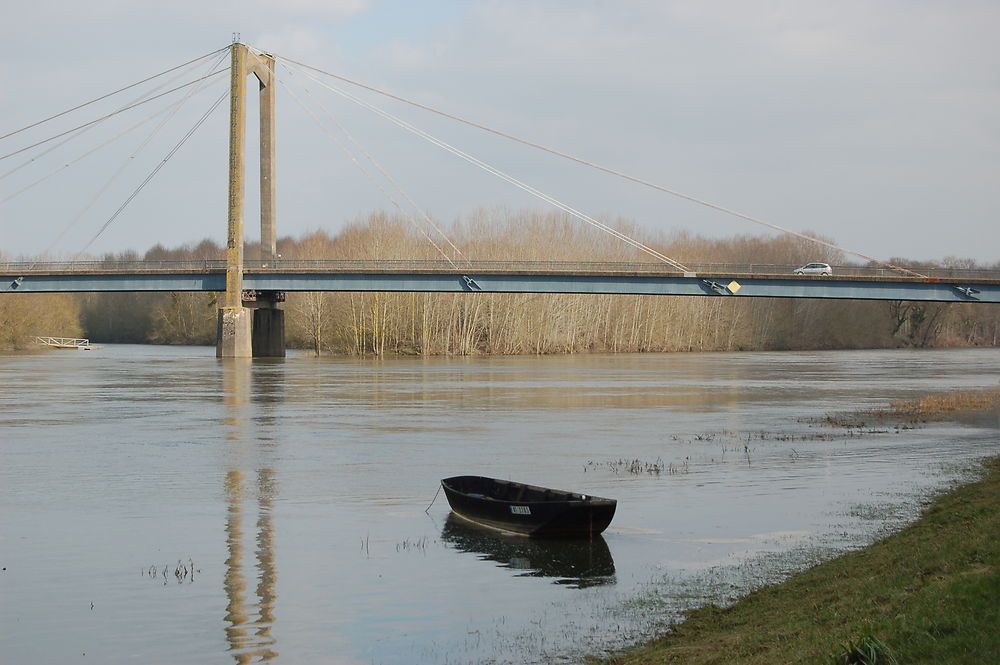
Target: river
x=158 y=505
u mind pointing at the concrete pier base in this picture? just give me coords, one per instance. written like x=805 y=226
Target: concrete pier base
x=234 y=333
x=268 y=332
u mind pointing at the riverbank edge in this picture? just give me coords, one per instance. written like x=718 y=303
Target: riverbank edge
x=929 y=593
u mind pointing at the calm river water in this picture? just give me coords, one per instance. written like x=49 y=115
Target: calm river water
x=160 y=506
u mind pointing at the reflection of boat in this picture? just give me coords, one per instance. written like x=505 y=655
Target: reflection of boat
x=576 y=563
x=527 y=509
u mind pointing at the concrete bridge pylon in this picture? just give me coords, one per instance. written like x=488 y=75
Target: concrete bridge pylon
x=250 y=325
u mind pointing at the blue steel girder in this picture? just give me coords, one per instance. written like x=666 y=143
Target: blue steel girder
x=450 y=281
x=97 y=282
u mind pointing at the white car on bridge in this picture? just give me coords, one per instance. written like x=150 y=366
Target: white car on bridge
x=814 y=269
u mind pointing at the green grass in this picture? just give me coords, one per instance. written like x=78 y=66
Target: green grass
x=928 y=594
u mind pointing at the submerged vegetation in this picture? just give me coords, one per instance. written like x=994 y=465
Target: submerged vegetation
x=927 y=594
x=903 y=414
x=507 y=324
x=636 y=467
x=939 y=407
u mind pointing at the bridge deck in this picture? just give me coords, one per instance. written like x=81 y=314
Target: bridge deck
x=852 y=282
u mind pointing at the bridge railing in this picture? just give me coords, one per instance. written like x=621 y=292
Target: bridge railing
x=17 y=268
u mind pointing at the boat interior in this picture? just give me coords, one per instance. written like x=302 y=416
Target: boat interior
x=502 y=490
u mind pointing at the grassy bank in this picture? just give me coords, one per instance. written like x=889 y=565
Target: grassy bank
x=928 y=594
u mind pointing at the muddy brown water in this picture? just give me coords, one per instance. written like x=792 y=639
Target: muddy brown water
x=160 y=506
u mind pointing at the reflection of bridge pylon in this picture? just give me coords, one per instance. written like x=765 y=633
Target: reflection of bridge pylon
x=245 y=332
x=249 y=621
x=250 y=640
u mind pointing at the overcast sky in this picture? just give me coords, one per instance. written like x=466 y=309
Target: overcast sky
x=871 y=123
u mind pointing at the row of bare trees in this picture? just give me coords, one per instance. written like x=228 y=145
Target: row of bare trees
x=475 y=323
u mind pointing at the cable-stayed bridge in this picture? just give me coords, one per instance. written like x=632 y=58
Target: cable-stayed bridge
x=747 y=280
x=251 y=322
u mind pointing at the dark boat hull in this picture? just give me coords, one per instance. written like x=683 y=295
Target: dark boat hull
x=528 y=509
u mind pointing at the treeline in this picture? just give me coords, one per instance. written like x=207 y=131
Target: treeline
x=26 y=315
x=468 y=323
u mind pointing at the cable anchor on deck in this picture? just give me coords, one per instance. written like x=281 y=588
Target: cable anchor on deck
x=967 y=291
x=723 y=289
x=471 y=283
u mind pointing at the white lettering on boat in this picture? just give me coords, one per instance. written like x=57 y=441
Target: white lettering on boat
x=520 y=510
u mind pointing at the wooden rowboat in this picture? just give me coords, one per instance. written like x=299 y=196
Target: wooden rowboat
x=526 y=509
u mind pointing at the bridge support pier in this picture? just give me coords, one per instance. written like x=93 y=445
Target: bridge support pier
x=234 y=333
x=268 y=331
x=255 y=330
